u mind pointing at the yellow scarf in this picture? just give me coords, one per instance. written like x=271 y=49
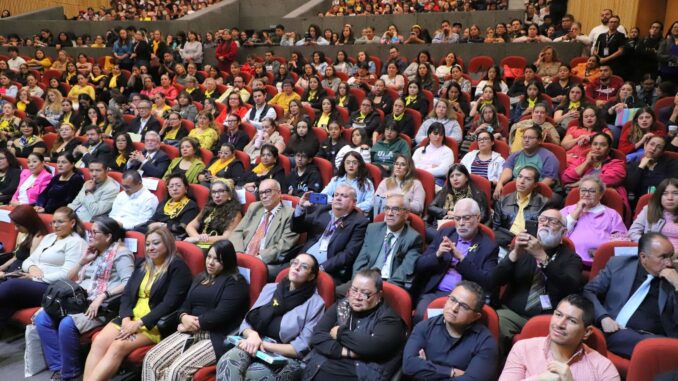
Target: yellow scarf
x=120 y=160
x=208 y=94
x=261 y=169
x=219 y=165
x=96 y=79
x=398 y=118
x=190 y=91
x=361 y=117
x=410 y=99
x=21 y=106
x=342 y=101
x=109 y=130
x=574 y=105
x=485 y=102
x=173 y=208
x=312 y=94
x=531 y=103
x=172 y=134
x=156 y=44
x=70 y=75
x=113 y=83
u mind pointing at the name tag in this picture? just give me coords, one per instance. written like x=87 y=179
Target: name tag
x=606 y=52
x=545 y=302
x=324 y=244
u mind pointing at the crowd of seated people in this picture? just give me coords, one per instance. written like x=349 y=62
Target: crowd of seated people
x=453 y=194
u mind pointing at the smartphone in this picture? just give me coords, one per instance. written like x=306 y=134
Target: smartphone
x=531 y=227
x=318 y=198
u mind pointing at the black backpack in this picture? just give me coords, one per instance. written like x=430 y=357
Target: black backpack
x=64 y=297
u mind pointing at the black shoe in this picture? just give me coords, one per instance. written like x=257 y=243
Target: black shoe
x=56 y=376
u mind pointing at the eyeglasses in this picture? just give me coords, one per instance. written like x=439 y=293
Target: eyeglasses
x=464 y=218
x=94 y=232
x=363 y=293
x=232 y=120
x=462 y=305
x=267 y=192
x=483 y=139
x=304 y=266
x=549 y=221
x=219 y=191
x=394 y=209
x=529 y=137
x=587 y=191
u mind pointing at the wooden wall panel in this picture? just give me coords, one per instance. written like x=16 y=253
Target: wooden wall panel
x=71 y=7
x=671 y=14
x=588 y=11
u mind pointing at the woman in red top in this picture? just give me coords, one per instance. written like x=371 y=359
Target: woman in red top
x=643 y=128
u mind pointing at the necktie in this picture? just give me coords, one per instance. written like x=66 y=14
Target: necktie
x=537 y=289
x=634 y=302
x=255 y=242
x=386 y=247
x=331 y=227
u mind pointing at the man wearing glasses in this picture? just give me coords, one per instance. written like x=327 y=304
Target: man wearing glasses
x=265 y=231
x=461 y=252
x=539 y=272
x=359 y=337
x=636 y=297
x=152 y=161
x=454 y=343
x=335 y=232
x=391 y=246
x=144 y=121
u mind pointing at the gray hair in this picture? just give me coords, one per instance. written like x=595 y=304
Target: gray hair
x=595 y=179
x=153 y=133
x=274 y=183
x=406 y=203
x=351 y=190
x=470 y=203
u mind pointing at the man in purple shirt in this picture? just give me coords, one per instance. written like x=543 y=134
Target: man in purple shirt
x=456 y=253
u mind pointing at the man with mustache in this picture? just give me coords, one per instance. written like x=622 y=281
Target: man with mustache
x=539 y=272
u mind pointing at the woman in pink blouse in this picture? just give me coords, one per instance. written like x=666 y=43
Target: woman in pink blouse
x=32 y=181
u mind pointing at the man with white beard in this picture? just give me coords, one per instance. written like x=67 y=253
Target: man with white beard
x=539 y=272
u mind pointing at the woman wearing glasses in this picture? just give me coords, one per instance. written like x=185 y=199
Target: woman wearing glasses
x=280 y=322
x=56 y=255
x=269 y=167
x=484 y=161
x=189 y=163
x=172 y=130
x=219 y=217
x=590 y=223
x=103 y=270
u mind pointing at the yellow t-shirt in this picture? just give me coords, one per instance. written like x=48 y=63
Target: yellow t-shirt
x=283 y=100
x=77 y=90
x=206 y=137
x=142 y=308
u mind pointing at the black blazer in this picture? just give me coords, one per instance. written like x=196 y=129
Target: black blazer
x=476 y=267
x=156 y=167
x=230 y=302
x=234 y=171
x=563 y=277
x=345 y=243
x=167 y=292
x=104 y=152
x=239 y=140
x=8 y=184
x=371 y=121
x=386 y=104
x=135 y=124
x=420 y=104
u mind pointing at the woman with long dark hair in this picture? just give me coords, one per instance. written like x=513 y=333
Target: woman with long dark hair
x=215 y=304
x=64 y=186
x=353 y=172
x=660 y=214
x=31 y=232
x=218 y=218
x=10 y=172
x=122 y=149
x=175 y=211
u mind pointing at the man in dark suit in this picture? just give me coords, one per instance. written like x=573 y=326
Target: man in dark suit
x=636 y=297
x=335 y=232
x=152 y=161
x=456 y=253
x=391 y=246
x=144 y=122
x=539 y=272
x=94 y=148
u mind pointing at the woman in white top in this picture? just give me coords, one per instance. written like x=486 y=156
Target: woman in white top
x=403 y=181
x=444 y=114
x=192 y=50
x=393 y=79
x=51 y=261
x=358 y=143
x=492 y=79
x=435 y=157
x=484 y=161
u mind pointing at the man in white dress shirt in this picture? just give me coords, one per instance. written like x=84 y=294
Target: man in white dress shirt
x=136 y=204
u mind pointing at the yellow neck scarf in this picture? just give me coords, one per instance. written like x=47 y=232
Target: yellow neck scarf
x=219 y=165
x=156 y=44
x=172 y=134
x=410 y=99
x=574 y=105
x=312 y=94
x=113 y=83
x=262 y=169
x=173 y=208
x=120 y=160
x=342 y=101
x=398 y=118
x=531 y=103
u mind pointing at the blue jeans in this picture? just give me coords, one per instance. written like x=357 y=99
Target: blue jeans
x=60 y=344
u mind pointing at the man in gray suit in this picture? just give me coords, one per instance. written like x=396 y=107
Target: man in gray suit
x=636 y=297
x=391 y=246
x=265 y=231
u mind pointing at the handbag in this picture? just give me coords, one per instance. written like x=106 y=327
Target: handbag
x=64 y=297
